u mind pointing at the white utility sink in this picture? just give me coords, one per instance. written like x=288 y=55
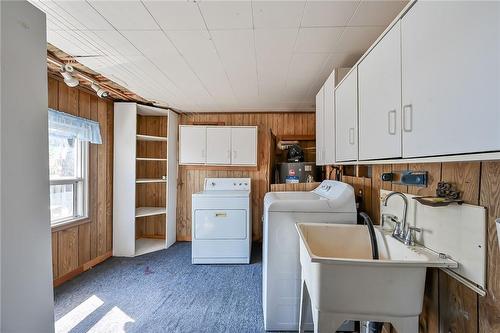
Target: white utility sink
x=341 y=281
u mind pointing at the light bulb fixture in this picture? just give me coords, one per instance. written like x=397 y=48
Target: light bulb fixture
x=69 y=79
x=99 y=91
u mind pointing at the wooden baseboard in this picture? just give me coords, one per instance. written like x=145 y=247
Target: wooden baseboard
x=86 y=266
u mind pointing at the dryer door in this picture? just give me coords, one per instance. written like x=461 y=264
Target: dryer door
x=220 y=224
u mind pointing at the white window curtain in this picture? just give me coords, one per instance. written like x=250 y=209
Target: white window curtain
x=66 y=125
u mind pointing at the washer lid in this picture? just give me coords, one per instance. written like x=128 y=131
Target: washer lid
x=329 y=197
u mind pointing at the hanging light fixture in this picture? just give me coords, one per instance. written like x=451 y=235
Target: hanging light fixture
x=69 y=79
x=99 y=91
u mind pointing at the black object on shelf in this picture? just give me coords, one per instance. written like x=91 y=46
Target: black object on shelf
x=445 y=194
x=387 y=176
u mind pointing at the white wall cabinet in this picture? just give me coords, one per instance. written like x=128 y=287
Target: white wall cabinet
x=325 y=118
x=451 y=78
x=218 y=145
x=346 y=118
x=329 y=119
x=379 y=90
x=244 y=145
x=193 y=147
x=320 y=139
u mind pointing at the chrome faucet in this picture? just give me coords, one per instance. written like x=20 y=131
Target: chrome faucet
x=400 y=230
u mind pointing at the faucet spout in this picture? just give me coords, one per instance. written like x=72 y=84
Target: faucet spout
x=405 y=209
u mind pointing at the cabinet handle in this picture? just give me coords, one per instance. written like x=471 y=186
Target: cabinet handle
x=408 y=118
x=391 y=123
x=351 y=135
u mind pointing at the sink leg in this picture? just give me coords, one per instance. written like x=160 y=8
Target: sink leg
x=406 y=325
x=325 y=322
x=305 y=303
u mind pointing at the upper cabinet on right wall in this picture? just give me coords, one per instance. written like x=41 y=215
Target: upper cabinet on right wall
x=450 y=78
x=346 y=118
x=379 y=90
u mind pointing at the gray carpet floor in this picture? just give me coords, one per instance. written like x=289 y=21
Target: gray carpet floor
x=163 y=292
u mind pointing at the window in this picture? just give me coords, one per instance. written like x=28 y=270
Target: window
x=68 y=166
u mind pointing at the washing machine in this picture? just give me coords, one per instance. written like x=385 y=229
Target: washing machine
x=221 y=222
x=330 y=202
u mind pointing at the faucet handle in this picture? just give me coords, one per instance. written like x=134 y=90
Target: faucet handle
x=397 y=229
x=390 y=217
x=410 y=236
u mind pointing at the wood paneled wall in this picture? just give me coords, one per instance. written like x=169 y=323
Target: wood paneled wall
x=79 y=247
x=449 y=306
x=151 y=194
x=190 y=178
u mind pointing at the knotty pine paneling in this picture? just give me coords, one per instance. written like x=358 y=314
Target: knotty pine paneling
x=293 y=187
x=86 y=244
x=190 y=178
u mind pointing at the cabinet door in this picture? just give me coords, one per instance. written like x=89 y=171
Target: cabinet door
x=379 y=90
x=192 y=143
x=320 y=152
x=218 y=145
x=451 y=78
x=346 y=116
x=244 y=145
x=329 y=120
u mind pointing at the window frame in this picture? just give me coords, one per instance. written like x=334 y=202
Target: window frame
x=80 y=185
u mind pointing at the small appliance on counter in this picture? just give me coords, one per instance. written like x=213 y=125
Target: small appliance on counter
x=298 y=172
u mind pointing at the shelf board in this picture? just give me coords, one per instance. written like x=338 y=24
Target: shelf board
x=147 y=245
x=150 y=159
x=150 y=180
x=150 y=211
x=142 y=137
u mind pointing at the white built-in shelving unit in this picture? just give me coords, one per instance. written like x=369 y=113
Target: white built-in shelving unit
x=129 y=160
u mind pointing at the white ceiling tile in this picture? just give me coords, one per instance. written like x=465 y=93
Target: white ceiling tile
x=304 y=69
x=151 y=42
x=159 y=50
x=237 y=53
x=115 y=43
x=227 y=14
x=71 y=43
x=176 y=15
x=277 y=14
x=84 y=16
x=328 y=13
x=197 y=48
x=275 y=41
x=380 y=13
x=356 y=40
x=318 y=39
x=125 y=15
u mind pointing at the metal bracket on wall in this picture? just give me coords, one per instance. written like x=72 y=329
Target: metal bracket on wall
x=406 y=177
